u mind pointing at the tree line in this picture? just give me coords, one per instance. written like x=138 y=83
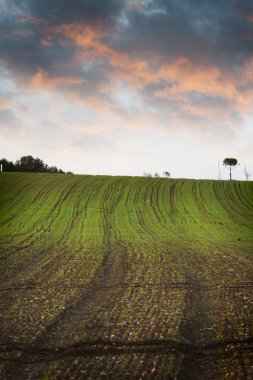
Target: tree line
x=29 y=164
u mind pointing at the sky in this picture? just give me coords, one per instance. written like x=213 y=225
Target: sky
x=128 y=87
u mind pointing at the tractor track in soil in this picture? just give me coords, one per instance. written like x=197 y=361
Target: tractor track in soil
x=36 y=354
x=196 y=321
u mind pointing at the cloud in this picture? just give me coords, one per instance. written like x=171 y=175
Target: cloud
x=96 y=68
x=203 y=31
x=88 y=11
x=41 y=80
x=63 y=38
x=7 y=118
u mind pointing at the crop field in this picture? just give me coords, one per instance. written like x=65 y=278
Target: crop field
x=125 y=278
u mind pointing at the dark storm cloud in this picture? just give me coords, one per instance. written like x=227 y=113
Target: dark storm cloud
x=20 y=48
x=206 y=31
x=24 y=54
x=91 y=11
x=25 y=26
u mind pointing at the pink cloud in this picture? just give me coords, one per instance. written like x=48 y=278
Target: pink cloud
x=182 y=75
x=185 y=75
x=41 y=80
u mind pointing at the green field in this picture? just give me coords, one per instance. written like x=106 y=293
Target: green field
x=125 y=278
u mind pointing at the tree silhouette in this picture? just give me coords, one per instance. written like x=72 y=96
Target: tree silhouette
x=230 y=162
x=8 y=166
x=30 y=164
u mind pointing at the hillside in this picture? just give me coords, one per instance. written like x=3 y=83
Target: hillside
x=125 y=277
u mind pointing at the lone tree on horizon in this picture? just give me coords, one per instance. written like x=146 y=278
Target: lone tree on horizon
x=230 y=162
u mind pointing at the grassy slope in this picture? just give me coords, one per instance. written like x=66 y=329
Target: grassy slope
x=126 y=259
